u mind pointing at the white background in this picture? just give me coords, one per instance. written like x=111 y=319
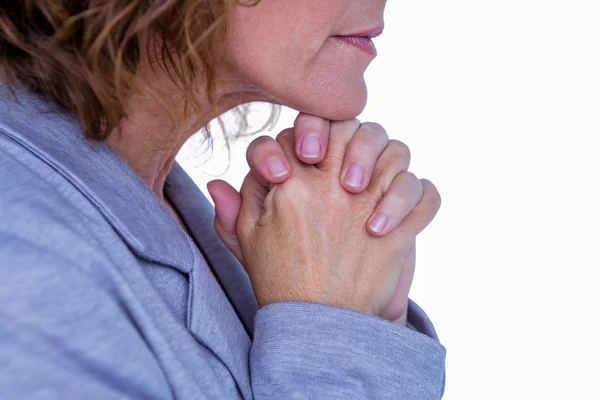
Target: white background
x=499 y=102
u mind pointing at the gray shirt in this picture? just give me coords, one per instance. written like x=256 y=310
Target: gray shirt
x=104 y=296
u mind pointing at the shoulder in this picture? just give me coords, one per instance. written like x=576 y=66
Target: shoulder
x=65 y=328
x=64 y=331
x=38 y=210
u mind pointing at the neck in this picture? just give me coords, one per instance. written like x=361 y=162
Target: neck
x=147 y=138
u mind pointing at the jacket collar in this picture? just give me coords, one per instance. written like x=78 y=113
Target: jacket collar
x=199 y=216
x=99 y=174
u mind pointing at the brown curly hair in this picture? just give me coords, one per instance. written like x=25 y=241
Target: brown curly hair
x=84 y=54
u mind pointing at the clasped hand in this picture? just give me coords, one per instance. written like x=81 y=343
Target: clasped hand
x=332 y=219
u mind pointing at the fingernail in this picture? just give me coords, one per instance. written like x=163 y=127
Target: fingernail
x=354 y=175
x=378 y=223
x=276 y=167
x=310 y=147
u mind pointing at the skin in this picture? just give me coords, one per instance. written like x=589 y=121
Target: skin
x=314 y=72
x=305 y=239
x=322 y=77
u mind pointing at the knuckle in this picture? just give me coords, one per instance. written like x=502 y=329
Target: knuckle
x=407 y=187
x=364 y=147
x=257 y=145
x=374 y=128
x=394 y=159
x=288 y=196
x=431 y=195
x=285 y=134
x=350 y=124
x=372 y=138
x=411 y=178
x=399 y=148
x=398 y=202
x=286 y=137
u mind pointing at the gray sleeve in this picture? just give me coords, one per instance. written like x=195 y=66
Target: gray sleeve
x=63 y=336
x=306 y=350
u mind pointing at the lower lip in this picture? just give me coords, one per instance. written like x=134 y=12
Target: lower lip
x=363 y=43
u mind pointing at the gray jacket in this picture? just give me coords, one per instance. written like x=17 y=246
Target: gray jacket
x=103 y=296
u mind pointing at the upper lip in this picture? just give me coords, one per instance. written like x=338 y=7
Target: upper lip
x=369 y=33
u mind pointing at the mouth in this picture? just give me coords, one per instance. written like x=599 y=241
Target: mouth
x=362 y=40
x=370 y=33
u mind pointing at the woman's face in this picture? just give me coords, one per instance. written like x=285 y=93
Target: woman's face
x=291 y=51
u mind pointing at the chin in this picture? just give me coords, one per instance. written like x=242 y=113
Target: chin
x=348 y=105
x=341 y=110
x=350 y=110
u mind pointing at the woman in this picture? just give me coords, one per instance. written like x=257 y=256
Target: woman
x=115 y=283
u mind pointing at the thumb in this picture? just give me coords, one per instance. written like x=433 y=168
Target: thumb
x=227 y=208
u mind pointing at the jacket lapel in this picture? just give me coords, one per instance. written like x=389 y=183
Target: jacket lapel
x=222 y=321
x=199 y=215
